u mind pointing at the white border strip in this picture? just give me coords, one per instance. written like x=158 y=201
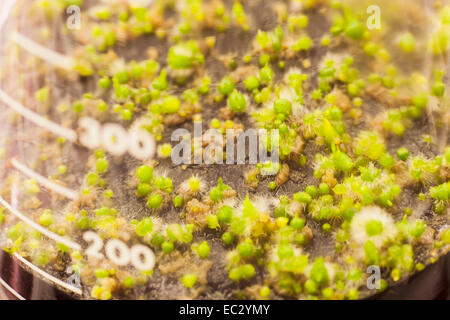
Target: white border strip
x=5 y=9
x=69 y=134
x=39 y=228
x=42 y=52
x=66 y=192
x=48 y=276
x=11 y=290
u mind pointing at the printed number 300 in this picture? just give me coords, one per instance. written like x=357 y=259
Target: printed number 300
x=140 y=256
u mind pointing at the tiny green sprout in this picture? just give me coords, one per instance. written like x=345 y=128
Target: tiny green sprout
x=155 y=201
x=371 y=48
x=92 y=179
x=171 y=104
x=354 y=274
x=144 y=174
x=324 y=188
x=189 y=280
x=264 y=292
x=2 y=215
x=353 y=294
x=178 y=201
x=310 y=286
x=326 y=228
x=157 y=239
x=215 y=123
x=101 y=165
x=371 y=252
x=420 y=100
x=403 y=153
x=396 y=274
x=303 y=44
x=101 y=273
x=374 y=228
x=264 y=59
x=42 y=95
x=266 y=74
x=212 y=221
x=216 y=194
x=312 y=191
x=245 y=271
x=160 y=83
x=282 y=106
x=167 y=247
x=335 y=113
x=327 y=293
x=325 y=41
x=184 y=55
x=342 y=161
x=82 y=222
x=144 y=189
x=297 y=223
x=62 y=169
x=126 y=114
x=417 y=229
x=78 y=107
x=438 y=87
x=251 y=83
x=272 y=185
x=319 y=273
x=245 y=248
x=247 y=58
x=302 y=197
x=144 y=227
x=353 y=89
x=121 y=77
x=46 y=218
x=407 y=42
x=386 y=160
x=445 y=236
x=102 y=106
x=225 y=214
x=441 y=192
x=203 y=250
x=174 y=232
x=226 y=86
x=227 y=238
x=165 y=150
x=203 y=88
x=104 y=83
x=128 y=282
x=354 y=30
x=237 y=101
x=420 y=266
x=194 y=184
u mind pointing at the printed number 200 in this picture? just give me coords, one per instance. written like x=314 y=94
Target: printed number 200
x=140 y=256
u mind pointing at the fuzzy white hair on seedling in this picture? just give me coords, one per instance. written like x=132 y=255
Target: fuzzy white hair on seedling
x=295 y=207
x=335 y=59
x=230 y=202
x=374 y=224
x=192 y=186
x=117 y=65
x=423 y=170
x=264 y=204
x=291 y=71
x=158 y=224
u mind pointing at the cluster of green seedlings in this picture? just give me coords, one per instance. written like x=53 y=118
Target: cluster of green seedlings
x=358 y=180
